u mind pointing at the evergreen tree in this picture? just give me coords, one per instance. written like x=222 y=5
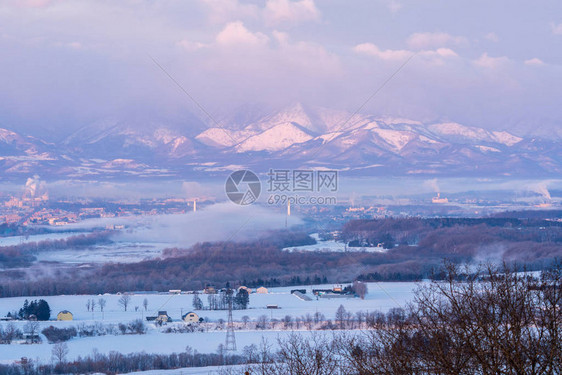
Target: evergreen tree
x=242 y=299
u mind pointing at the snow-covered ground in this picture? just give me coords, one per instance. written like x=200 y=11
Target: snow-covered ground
x=332 y=246
x=381 y=296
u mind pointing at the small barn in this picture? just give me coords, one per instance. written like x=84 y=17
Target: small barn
x=262 y=290
x=249 y=290
x=64 y=315
x=209 y=289
x=190 y=317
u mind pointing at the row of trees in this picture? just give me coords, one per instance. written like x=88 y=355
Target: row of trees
x=36 y=310
x=222 y=299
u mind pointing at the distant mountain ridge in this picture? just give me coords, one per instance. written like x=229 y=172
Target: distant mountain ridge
x=295 y=137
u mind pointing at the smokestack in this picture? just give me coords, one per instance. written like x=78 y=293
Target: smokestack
x=194 y=205
x=288 y=208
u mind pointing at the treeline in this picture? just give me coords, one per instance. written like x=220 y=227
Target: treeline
x=462 y=239
x=117 y=363
x=22 y=255
x=415 y=247
x=409 y=231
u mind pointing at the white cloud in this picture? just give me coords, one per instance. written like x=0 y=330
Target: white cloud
x=534 y=62
x=485 y=61
x=432 y=40
x=279 y=11
x=492 y=37
x=556 y=28
x=372 y=50
x=237 y=33
x=190 y=45
x=307 y=56
x=436 y=56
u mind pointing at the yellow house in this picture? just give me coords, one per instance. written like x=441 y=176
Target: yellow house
x=190 y=317
x=261 y=290
x=64 y=315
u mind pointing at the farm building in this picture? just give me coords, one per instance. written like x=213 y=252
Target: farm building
x=64 y=315
x=190 y=317
x=249 y=290
x=261 y=290
x=209 y=289
x=163 y=317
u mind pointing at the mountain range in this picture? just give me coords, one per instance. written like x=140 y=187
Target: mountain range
x=295 y=137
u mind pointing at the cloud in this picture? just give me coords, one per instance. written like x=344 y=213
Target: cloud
x=190 y=45
x=534 y=62
x=235 y=33
x=433 y=40
x=279 y=11
x=492 y=37
x=485 y=61
x=372 y=50
x=556 y=28
x=433 y=56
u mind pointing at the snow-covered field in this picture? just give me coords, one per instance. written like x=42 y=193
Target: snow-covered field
x=381 y=296
x=332 y=246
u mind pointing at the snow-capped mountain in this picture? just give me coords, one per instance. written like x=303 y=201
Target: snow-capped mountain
x=295 y=137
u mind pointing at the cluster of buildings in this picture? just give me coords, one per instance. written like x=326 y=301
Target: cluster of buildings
x=163 y=317
x=34 y=206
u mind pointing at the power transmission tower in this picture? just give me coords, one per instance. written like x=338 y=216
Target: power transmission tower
x=230 y=339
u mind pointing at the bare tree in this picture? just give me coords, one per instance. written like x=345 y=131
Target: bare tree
x=341 y=314
x=359 y=288
x=31 y=329
x=88 y=304
x=101 y=303
x=124 y=301
x=145 y=304
x=245 y=319
x=93 y=304
x=59 y=352
x=494 y=321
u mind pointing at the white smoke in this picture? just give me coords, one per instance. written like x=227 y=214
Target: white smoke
x=541 y=188
x=219 y=222
x=432 y=184
x=34 y=188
